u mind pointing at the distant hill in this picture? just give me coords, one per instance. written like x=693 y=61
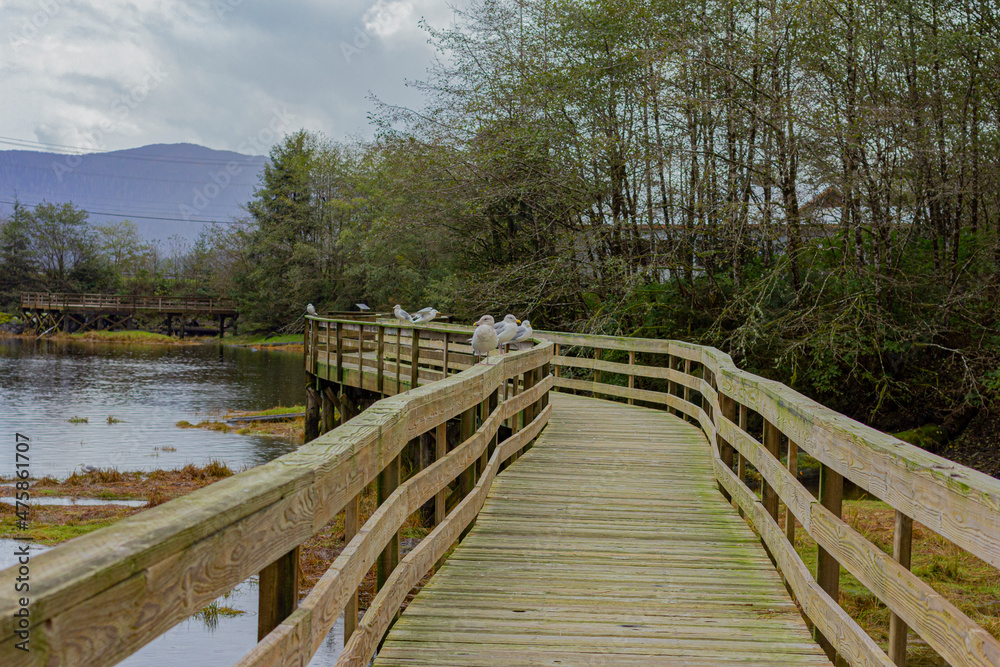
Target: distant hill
x=166 y=189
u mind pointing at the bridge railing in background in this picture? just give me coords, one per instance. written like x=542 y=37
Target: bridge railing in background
x=703 y=385
x=102 y=596
x=112 y=302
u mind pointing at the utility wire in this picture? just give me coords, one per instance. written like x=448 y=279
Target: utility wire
x=139 y=217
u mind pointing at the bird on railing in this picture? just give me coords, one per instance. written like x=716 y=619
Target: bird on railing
x=506 y=330
x=401 y=314
x=424 y=315
x=311 y=309
x=523 y=332
x=484 y=338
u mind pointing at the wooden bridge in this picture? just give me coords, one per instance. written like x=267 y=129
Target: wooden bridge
x=80 y=312
x=608 y=523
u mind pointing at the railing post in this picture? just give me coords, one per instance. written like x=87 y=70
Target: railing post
x=414 y=358
x=444 y=357
x=831 y=496
x=768 y=496
x=793 y=467
x=339 y=373
x=352 y=521
x=329 y=346
x=631 y=377
x=278 y=592
x=399 y=353
x=467 y=479
x=557 y=352
x=902 y=542
x=380 y=359
x=727 y=406
x=598 y=356
x=440 y=451
x=388 y=481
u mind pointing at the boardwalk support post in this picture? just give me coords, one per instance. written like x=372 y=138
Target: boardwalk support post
x=312 y=410
x=388 y=480
x=831 y=496
x=901 y=550
x=352 y=521
x=279 y=592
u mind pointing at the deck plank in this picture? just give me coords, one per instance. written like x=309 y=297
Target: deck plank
x=607 y=543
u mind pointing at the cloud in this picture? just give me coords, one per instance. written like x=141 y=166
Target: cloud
x=124 y=73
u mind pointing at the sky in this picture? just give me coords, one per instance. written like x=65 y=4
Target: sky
x=227 y=74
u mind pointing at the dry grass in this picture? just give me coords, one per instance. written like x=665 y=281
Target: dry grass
x=967 y=582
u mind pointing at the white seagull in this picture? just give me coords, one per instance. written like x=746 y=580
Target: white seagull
x=506 y=330
x=311 y=309
x=424 y=315
x=523 y=332
x=484 y=338
x=401 y=314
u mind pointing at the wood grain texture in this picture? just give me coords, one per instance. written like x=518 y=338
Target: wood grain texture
x=607 y=542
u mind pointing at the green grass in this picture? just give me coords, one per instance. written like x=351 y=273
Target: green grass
x=51 y=534
x=257 y=339
x=279 y=410
x=124 y=337
x=967 y=582
x=78 y=420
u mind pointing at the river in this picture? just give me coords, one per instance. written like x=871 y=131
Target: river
x=149 y=388
x=43 y=384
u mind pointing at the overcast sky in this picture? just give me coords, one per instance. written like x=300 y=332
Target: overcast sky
x=113 y=74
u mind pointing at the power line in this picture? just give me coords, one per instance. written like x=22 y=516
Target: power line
x=139 y=217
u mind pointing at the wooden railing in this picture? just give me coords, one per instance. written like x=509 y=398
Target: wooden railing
x=703 y=385
x=115 y=302
x=100 y=597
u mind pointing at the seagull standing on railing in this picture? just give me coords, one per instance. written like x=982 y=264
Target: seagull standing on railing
x=506 y=330
x=424 y=315
x=484 y=338
x=401 y=314
x=523 y=332
x=311 y=309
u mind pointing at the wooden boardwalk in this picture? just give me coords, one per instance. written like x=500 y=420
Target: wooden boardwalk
x=607 y=543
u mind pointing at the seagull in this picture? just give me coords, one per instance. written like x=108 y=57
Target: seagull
x=362 y=306
x=311 y=309
x=87 y=469
x=424 y=315
x=506 y=330
x=401 y=314
x=523 y=332
x=484 y=338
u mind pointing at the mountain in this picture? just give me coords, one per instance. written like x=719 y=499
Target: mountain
x=166 y=189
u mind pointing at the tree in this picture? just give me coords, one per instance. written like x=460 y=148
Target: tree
x=18 y=268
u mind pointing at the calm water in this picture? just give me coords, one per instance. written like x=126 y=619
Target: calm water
x=150 y=388
x=44 y=383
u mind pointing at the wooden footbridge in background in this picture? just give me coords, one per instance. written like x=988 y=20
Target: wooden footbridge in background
x=590 y=505
x=81 y=312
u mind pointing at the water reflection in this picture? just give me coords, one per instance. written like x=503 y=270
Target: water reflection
x=149 y=388
x=223 y=637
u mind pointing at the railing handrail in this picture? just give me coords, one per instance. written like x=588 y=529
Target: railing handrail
x=93 y=300
x=958 y=503
x=100 y=597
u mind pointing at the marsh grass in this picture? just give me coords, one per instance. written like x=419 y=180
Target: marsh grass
x=967 y=582
x=78 y=420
